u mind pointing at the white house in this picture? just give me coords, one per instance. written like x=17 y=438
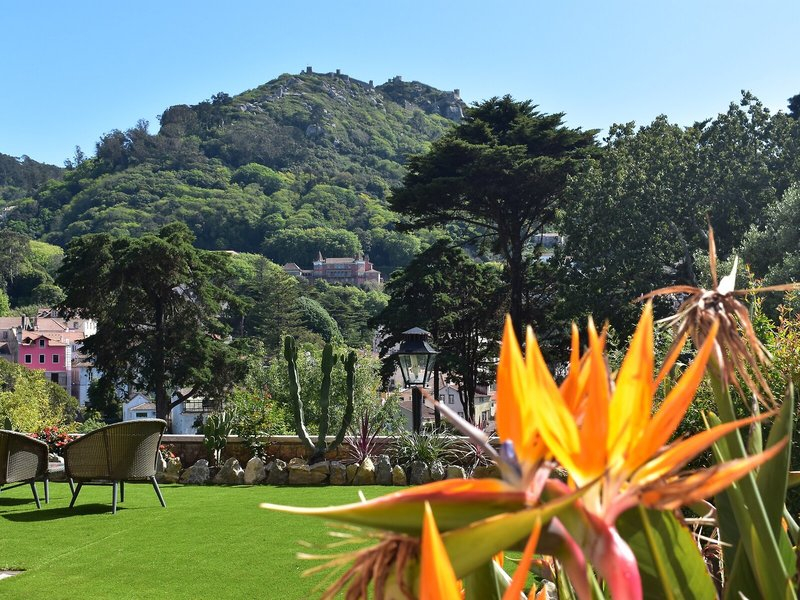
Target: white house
x=138 y=406
x=184 y=416
x=484 y=402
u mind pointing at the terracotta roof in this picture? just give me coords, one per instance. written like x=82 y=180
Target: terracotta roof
x=290 y=266
x=35 y=335
x=427 y=411
x=50 y=324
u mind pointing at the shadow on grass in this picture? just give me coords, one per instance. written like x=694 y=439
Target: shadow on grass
x=15 y=501
x=51 y=514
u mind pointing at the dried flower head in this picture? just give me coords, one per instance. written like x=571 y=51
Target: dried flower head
x=738 y=352
x=373 y=566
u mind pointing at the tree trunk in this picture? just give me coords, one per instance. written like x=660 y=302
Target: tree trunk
x=160 y=369
x=517 y=281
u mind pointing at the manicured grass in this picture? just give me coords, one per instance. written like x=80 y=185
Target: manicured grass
x=210 y=542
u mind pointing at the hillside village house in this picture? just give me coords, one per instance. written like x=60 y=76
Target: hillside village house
x=183 y=418
x=485 y=402
x=51 y=344
x=357 y=270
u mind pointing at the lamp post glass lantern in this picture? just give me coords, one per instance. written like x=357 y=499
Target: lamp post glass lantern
x=416 y=357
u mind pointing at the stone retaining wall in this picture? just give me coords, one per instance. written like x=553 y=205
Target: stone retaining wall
x=190 y=448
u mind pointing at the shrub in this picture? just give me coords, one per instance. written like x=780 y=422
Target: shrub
x=428 y=447
x=256 y=417
x=55 y=437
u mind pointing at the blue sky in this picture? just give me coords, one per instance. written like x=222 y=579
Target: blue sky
x=73 y=71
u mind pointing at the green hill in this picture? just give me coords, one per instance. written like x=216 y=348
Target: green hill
x=20 y=177
x=306 y=159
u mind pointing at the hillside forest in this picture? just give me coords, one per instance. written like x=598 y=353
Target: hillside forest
x=450 y=202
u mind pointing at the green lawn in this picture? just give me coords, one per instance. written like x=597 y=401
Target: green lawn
x=210 y=542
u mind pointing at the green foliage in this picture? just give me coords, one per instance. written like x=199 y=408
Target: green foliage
x=772 y=249
x=20 y=177
x=5 y=305
x=352 y=309
x=265 y=178
x=91 y=420
x=317 y=320
x=26 y=270
x=664 y=547
x=256 y=418
x=267 y=309
x=503 y=169
x=633 y=220
x=27 y=398
x=157 y=302
x=299 y=152
x=104 y=400
x=302 y=246
x=427 y=447
x=457 y=299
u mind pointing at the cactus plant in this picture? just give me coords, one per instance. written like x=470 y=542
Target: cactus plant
x=216 y=430
x=329 y=360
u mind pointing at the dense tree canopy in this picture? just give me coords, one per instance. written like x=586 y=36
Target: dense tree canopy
x=157 y=301
x=634 y=220
x=460 y=302
x=503 y=170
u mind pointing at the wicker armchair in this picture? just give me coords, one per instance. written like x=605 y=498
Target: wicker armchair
x=23 y=460
x=115 y=454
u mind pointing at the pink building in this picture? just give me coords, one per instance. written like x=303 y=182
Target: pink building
x=354 y=271
x=49 y=354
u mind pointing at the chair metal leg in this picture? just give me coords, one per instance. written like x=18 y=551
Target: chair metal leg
x=113 y=497
x=122 y=491
x=71 y=486
x=158 y=492
x=35 y=494
x=46 y=489
x=75 y=494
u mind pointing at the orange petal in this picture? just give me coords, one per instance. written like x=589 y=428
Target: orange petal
x=680 y=453
x=513 y=416
x=631 y=403
x=554 y=421
x=514 y=589
x=703 y=484
x=594 y=432
x=670 y=413
x=437 y=580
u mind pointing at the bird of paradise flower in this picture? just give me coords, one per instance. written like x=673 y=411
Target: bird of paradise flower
x=601 y=429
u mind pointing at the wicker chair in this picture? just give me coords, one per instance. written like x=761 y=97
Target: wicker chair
x=23 y=460
x=115 y=454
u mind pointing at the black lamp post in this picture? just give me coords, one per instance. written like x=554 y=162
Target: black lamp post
x=416 y=357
